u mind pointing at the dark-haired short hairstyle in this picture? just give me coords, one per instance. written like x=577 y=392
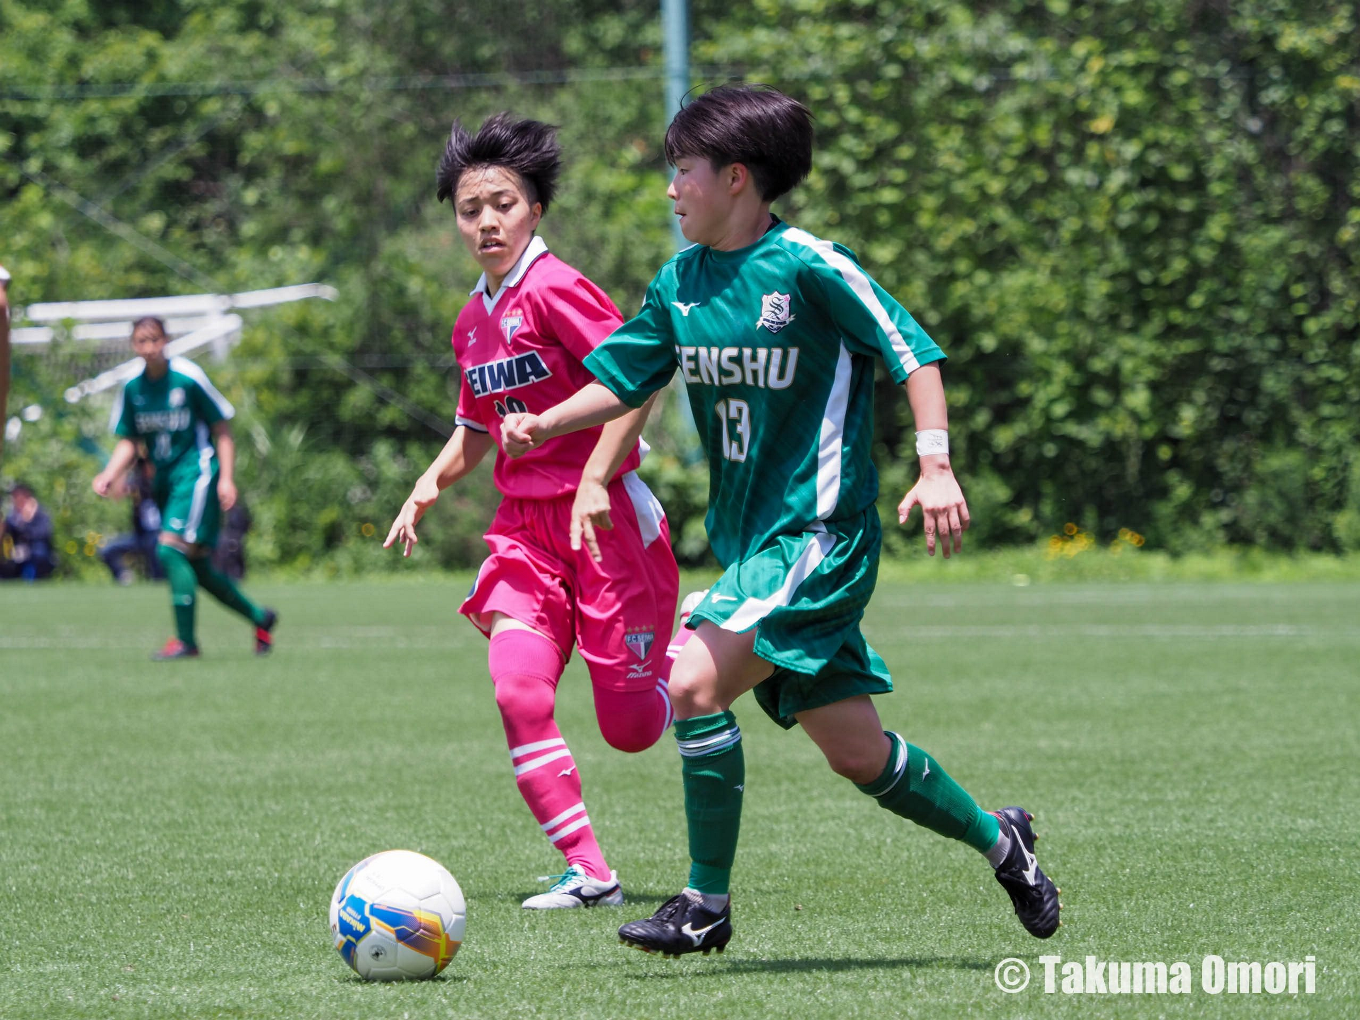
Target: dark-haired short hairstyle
x=149 y=320
x=528 y=147
x=755 y=125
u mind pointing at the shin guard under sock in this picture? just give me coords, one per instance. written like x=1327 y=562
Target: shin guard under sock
x=179 y=572
x=714 y=772
x=914 y=786
x=525 y=667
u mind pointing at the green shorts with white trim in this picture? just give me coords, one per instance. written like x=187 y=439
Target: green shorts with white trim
x=189 y=506
x=805 y=596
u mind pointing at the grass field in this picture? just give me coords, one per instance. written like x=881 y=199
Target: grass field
x=170 y=834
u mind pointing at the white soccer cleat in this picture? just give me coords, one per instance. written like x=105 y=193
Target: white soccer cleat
x=691 y=603
x=577 y=889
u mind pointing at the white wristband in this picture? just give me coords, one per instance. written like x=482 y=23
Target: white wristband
x=4 y=275
x=930 y=441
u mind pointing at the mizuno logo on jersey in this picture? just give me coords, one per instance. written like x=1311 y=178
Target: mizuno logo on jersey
x=507 y=374
x=761 y=367
x=685 y=307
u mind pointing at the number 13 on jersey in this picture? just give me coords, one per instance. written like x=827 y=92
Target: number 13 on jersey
x=735 y=422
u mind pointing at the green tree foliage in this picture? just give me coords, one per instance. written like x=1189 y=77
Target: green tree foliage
x=1132 y=225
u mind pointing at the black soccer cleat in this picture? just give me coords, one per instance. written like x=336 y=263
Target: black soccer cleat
x=1035 y=897
x=680 y=925
x=264 y=640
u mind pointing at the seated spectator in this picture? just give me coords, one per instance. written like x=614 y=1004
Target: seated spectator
x=26 y=549
x=125 y=552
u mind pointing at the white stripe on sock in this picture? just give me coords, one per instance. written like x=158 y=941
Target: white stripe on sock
x=535 y=763
x=553 y=823
x=537 y=745
x=580 y=823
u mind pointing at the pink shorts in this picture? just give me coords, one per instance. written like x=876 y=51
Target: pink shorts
x=618 y=612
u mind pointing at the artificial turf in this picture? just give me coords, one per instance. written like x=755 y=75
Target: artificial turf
x=170 y=833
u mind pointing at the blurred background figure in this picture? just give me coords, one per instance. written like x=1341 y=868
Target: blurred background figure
x=137 y=548
x=26 y=551
x=4 y=354
x=230 y=555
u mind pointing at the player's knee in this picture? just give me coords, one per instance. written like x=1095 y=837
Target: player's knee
x=630 y=735
x=631 y=721
x=524 y=698
x=853 y=763
x=692 y=693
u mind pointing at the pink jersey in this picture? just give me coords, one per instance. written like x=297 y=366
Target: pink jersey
x=522 y=351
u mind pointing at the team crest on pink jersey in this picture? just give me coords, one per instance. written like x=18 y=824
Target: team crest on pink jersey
x=511 y=321
x=775 y=312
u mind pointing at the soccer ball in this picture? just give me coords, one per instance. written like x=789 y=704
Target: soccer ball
x=397 y=916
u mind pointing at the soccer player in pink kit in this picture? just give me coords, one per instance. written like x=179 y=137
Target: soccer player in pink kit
x=520 y=342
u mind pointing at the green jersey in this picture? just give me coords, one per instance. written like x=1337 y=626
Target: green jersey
x=173 y=416
x=775 y=343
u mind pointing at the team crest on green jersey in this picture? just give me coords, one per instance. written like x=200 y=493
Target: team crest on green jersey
x=775 y=312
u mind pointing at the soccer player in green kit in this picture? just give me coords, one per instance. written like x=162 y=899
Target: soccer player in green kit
x=174 y=410
x=774 y=331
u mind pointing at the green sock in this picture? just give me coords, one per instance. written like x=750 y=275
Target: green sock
x=914 y=786
x=223 y=588
x=180 y=574
x=714 y=772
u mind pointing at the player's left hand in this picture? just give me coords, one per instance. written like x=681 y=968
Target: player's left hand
x=941 y=500
x=226 y=493
x=590 y=510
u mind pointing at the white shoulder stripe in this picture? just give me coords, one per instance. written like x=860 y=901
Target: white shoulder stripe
x=116 y=415
x=859 y=283
x=186 y=367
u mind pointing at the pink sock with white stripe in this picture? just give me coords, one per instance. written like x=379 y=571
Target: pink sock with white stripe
x=525 y=667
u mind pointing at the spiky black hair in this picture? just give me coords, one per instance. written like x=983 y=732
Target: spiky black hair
x=528 y=147
x=755 y=125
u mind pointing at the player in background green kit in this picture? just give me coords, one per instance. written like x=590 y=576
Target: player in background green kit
x=775 y=332
x=174 y=410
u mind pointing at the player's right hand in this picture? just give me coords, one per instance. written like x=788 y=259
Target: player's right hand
x=101 y=484
x=520 y=433
x=404 y=527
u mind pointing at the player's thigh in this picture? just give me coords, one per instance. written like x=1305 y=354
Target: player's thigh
x=714 y=669
x=625 y=602
x=520 y=581
x=500 y=624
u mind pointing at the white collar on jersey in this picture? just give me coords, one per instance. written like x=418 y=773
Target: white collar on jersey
x=536 y=247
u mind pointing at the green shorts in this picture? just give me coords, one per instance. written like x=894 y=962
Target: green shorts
x=189 y=506
x=805 y=595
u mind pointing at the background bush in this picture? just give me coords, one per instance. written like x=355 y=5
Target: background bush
x=1133 y=226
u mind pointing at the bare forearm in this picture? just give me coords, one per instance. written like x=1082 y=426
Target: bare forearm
x=124 y=453
x=463 y=452
x=617 y=441
x=593 y=404
x=226 y=456
x=925 y=394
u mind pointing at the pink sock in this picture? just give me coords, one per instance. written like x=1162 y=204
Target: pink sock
x=525 y=668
